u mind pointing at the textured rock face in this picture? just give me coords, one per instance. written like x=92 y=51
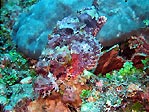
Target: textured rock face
x=122 y=17
x=30 y=32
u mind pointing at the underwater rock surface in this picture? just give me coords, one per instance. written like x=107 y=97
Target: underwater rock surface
x=30 y=33
x=122 y=17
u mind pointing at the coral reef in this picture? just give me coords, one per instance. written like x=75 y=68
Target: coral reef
x=75 y=73
x=13 y=66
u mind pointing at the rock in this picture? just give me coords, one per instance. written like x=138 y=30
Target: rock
x=30 y=32
x=122 y=17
